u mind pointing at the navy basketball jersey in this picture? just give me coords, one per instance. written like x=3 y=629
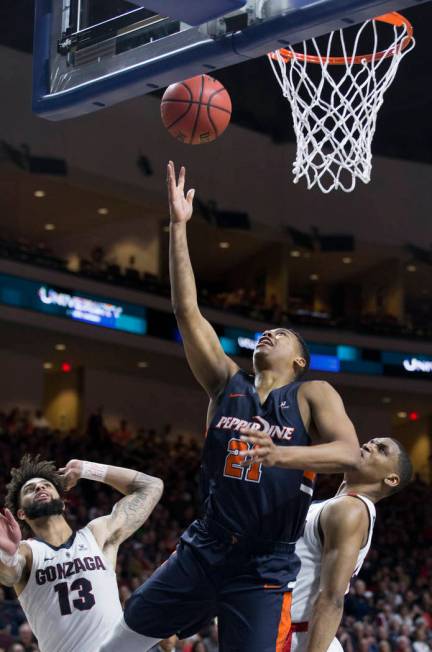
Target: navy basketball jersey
x=261 y=502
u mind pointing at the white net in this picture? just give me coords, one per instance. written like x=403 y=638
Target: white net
x=335 y=111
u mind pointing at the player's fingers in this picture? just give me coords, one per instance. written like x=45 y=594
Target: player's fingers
x=190 y=196
x=253 y=432
x=171 y=181
x=182 y=178
x=249 y=462
x=253 y=438
x=8 y=515
x=252 y=453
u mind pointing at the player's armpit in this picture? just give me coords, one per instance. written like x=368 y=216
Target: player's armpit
x=129 y=513
x=345 y=525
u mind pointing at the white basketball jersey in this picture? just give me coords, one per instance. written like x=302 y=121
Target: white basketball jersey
x=309 y=549
x=71 y=599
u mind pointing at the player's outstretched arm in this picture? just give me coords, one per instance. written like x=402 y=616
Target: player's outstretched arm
x=337 y=449
x=344 y=524
x=142 y=494
x=12 y=555
x=207 y=360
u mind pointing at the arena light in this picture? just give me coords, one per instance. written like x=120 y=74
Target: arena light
x=66 y=367
x=413 y=416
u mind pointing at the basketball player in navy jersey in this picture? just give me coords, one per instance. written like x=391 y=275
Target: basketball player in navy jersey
x=336 y=540
x=238 y=561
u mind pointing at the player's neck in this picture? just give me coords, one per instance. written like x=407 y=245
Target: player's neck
x=53 y=529
x=358 y=488
x=268 y=379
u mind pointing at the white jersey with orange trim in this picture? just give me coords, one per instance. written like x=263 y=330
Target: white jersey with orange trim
x=71 y=599
x=309 y=549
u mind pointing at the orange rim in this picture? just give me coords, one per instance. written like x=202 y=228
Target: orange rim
x=392 y=18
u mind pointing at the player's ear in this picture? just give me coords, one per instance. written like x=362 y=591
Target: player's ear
x=299 y=364
x=20 y=514
x=392 y=481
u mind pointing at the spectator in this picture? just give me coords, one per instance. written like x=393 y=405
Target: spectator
x=357 y=604
x=199 y=646
x=26 y=638
x=39 y=421
x=167 y=645
x=96 y=427
x=122 y=435
x=212 y=640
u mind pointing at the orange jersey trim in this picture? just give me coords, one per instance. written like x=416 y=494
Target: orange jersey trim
x=310 y=475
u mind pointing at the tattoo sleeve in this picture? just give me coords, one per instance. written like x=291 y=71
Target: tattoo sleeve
x=129 y=514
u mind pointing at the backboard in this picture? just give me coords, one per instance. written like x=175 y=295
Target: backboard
x=89 y=54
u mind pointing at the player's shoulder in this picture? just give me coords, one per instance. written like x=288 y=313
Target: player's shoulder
x=316 y=388
x=344 y=514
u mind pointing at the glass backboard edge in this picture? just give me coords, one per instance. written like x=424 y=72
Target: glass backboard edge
x=210 y=54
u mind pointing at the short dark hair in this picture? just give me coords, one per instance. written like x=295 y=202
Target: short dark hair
x=30 y=467
x=304 y=350
x=405 y=468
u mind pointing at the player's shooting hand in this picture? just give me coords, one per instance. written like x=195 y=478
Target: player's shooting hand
x=71 y=473
x=263 y=452
x=181 y=206
x=10 y=533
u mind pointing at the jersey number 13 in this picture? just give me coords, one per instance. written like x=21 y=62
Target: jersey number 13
x=83 y=600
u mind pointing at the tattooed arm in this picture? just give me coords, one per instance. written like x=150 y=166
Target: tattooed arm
x=142 y=493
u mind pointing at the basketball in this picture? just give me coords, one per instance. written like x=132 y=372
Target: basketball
x=196 y=111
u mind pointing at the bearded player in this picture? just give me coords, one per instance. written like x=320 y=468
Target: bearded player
x=238 y=561
x=65 y=580
x=336 y=540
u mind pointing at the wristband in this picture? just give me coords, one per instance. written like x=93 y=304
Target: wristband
x=94 y=471
x=9 y=560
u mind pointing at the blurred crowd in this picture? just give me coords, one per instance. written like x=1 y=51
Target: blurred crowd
x=388 y=608
x=250 y=303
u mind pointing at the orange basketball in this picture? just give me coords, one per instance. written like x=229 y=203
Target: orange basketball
x=196 y=111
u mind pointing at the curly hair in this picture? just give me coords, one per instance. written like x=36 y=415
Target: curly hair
x=30 y=467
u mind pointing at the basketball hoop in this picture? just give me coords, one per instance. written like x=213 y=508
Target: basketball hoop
x=335 y=115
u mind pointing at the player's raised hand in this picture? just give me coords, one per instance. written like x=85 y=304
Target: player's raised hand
x=263 y=452
x=181 y=206
x=10 y=533
x=71 y=473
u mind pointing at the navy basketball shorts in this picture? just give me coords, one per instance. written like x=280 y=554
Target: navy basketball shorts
x=249 y=593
